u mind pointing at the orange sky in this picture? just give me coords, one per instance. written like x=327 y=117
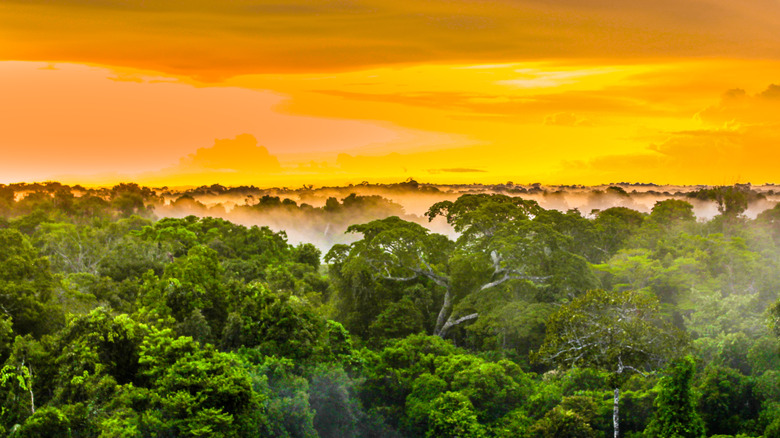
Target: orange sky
x=287 y=92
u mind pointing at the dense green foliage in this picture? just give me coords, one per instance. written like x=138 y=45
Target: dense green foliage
x=524 y=322
x=675 y=415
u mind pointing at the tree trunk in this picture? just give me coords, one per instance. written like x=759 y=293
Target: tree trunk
x=615 y=413
x=28 y=379
x=32 y=400
x=444 y=313
x=452 y=323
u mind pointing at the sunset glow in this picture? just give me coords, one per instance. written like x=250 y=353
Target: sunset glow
x=291 y=93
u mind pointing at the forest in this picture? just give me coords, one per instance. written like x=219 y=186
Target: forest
x=131 y=311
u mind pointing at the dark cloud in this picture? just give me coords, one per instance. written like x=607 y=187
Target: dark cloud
x=740 y=144
x=772 y=92
x=213 y=39
x=746 y=154
x=737 y=106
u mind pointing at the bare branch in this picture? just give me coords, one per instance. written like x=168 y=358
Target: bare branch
x=508 y=277
x=389 y=277
x=450 y=323
x=436 y=278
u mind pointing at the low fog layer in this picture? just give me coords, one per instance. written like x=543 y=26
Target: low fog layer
x=321 y=215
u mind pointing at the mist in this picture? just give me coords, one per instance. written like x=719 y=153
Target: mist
x=321 y=215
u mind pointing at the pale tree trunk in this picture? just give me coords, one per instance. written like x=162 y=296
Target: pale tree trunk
x=615 y=413
x=444 y=313
x=32 y=400
x=29 y=382
x=446 y=320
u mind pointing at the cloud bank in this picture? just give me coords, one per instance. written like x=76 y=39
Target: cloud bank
x=214 y=39
x=738 y=142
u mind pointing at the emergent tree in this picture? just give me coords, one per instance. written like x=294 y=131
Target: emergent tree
x=499 y=243
x=619 y=332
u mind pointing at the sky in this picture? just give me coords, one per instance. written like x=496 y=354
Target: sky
x=293 y=92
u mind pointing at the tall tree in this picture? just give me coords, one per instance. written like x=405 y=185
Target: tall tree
x=675 y=415
x=499 y=243
x=619 y=332
x=26 y=286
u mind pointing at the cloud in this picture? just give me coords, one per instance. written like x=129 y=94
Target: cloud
x=230 y=161
x=738 y=143
x=241 y=161
x=240 y=154
x=212 y=39
x=600 y=92
x=772 y=92
x=706 y=157
x=390 y=163
x=451 y=160
x=737 y=106
x=79 y=119
x=565 y=119
x=456 y=170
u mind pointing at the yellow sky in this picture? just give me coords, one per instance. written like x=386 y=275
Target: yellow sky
x=286 y=93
